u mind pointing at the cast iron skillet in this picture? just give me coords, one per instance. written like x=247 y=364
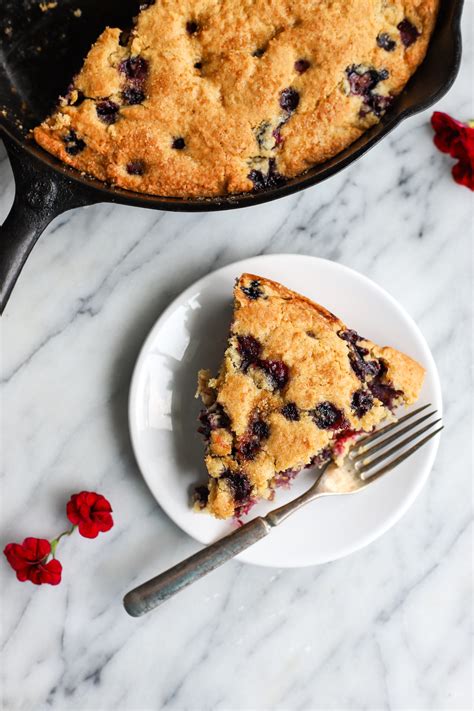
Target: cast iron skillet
x=39 y=54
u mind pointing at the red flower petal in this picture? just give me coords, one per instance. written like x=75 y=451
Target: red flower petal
x=13 y=553
x=49 y=573
x=91 y=512
x=457 y=139
x=463 y=173
x=30 y=552
x=447 y=131
x=88 y=529
x=37 y=548
x=28 y=561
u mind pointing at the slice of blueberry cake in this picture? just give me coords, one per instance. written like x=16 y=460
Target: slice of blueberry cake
x=208 y=98
x=295 y=386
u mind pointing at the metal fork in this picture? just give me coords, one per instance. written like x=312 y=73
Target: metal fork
x=367 y=460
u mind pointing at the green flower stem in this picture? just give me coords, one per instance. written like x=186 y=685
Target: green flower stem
x=55 y=541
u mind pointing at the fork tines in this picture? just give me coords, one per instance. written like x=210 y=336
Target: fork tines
x=362 y=454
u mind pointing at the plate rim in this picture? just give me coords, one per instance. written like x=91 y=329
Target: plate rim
x=429 y=364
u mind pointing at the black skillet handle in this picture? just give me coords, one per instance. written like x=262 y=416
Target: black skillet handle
x=41 y=194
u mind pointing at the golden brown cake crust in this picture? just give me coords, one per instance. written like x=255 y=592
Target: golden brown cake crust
x=294 y=382
x=216 y=76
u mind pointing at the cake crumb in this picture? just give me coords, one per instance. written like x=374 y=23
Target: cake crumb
x=45 y=6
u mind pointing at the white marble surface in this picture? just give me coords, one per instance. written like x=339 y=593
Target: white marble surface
x=388 y=627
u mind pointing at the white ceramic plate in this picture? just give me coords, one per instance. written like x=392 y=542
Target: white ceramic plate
x=191 y=334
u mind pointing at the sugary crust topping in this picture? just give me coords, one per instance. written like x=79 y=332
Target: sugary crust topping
x=294 y=382
x=207 y=98
x=239 y=395
x=293 y=443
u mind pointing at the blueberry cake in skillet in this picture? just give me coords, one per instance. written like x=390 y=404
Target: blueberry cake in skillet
x=208 y=98
x=295 y=386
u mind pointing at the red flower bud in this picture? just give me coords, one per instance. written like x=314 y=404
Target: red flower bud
x=29 y=558
x=91 y=512
x=457 y=139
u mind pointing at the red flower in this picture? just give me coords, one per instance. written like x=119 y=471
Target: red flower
x=29 y=558
x=457 y=139
x=463 y=173
x=448 y=131
x=91 y=512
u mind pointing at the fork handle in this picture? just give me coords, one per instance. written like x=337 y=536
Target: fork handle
x=152 y=593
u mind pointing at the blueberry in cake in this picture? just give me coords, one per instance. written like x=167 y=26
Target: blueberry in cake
x=295 y=387
x=209 y=98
